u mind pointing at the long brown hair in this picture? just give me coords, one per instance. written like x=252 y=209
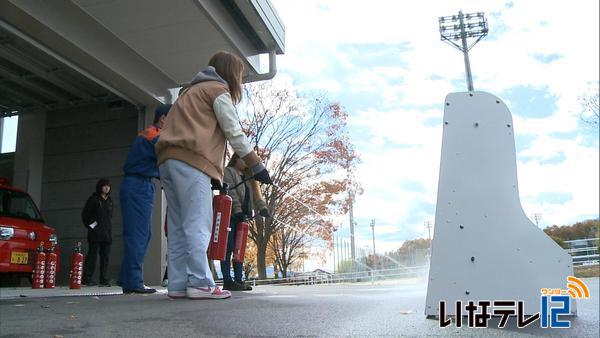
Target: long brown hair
x=230 y=68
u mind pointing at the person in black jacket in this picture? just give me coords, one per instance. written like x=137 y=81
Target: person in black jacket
x=97 y=218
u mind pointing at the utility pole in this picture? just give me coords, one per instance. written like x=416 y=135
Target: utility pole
x=351 y=213
x=345 y=248
x=338 y=253
x=537 y=217
x=348 y=254
x=341 y=252
x=373 y=231
x=428 y=226
x=461 y=27
x=333 y=240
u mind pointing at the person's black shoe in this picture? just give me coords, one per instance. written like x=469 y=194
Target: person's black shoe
x=233 y=286
x=105 y=284
x=244 y=286
x=89 y=284
x=139 y=290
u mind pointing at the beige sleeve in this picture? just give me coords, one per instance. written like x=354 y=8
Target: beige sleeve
x=236 y=204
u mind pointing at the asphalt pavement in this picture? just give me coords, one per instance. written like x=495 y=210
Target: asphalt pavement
x=390 y=308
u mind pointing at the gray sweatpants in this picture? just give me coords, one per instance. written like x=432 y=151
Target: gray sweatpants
x=189 y=198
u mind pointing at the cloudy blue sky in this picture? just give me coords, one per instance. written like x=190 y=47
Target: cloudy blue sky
x=385 y=63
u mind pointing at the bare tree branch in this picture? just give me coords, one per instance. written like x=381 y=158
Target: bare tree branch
x=589 y=103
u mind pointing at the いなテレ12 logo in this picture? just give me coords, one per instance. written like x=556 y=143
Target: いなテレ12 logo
x=557 y=302
x=554 y=303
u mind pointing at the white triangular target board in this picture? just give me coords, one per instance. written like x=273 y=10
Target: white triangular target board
x=484 y=246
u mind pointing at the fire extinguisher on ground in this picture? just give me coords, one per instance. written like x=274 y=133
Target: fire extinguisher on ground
x=220 y=229
x=39 y=268
x=241 y=232
x=50 y=278
x=241 y=237
x=76 y=268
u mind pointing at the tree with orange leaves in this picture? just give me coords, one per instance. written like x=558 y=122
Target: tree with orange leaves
x=305 y=146
x=250 y=259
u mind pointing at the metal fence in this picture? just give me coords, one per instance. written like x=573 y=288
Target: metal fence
x=319 y=277
x=584 y=251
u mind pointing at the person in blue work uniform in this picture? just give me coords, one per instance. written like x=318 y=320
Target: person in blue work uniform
x=137 y=197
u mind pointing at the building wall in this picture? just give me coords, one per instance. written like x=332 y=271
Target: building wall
x=82 y=145
x=29 y=154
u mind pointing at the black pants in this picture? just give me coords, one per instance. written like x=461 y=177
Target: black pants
x=90 y=261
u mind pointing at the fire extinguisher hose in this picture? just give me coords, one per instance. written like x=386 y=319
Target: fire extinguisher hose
x=303 y=204
x=289 y=195
x=299 y=201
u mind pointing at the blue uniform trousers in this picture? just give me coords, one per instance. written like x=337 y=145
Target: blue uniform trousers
x=238 y=267
x=137 y=197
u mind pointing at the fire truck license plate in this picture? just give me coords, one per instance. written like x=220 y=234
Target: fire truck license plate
x=19 y=257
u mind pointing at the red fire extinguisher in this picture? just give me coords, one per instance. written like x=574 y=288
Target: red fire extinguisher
x=220 y=230
x=39 y=268
x=50 y=281
x=241 y=237
x=76 y=268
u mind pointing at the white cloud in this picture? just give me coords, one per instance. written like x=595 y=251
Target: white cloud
x=404 y=150
x=330 y=86
x=577 y=175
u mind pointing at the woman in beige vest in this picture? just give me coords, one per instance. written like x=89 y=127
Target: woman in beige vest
x=191 y=153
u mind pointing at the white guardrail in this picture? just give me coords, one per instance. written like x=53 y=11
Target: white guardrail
x=584 y=251
x=313 y=278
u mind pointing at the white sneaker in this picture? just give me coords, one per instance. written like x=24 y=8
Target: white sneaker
x=176 y=294
x=207 y=293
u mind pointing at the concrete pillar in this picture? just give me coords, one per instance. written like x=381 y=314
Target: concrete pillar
x=1 y=132
x=155 y=262
x=29 y=154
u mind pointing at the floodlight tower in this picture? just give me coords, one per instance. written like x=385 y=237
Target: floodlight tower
x=462 y=27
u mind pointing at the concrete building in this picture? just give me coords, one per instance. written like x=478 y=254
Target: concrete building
x=85 y=75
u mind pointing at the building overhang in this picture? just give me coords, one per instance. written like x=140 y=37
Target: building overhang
x=135 y=50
